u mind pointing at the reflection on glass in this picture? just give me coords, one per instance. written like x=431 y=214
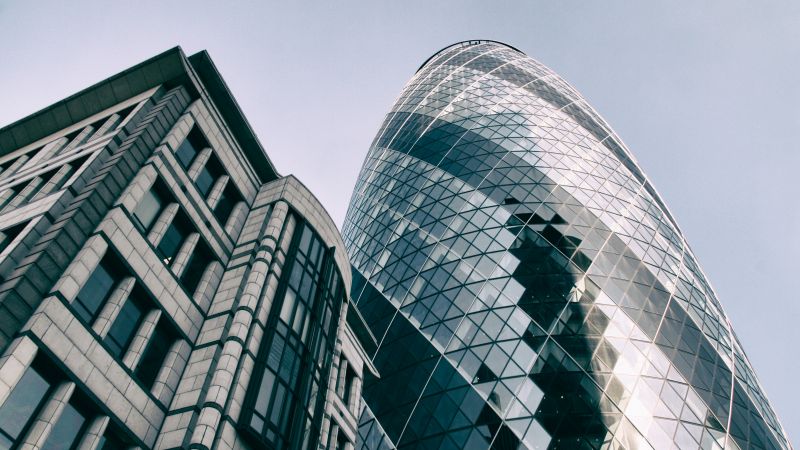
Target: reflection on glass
x=21 y=404
x=67 y=430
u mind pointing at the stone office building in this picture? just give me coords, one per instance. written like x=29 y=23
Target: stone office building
x=161 y=285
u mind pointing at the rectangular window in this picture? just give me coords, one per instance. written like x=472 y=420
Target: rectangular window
x=113 y=439
x=8 y=235
x=127 y=322
x=57 y=178
x=229 y=198
x=10 y=195
x=151 y=205
x=285 y=388
x=23 y=403
x=173 y=238
x=10 y=167
x=157 y=348
x=208 y=175
x=349 y=379
x=69 y=427
x=4 y=167
x=97 y=288
x=341 y=441
x=190 y=147
x=196 y=267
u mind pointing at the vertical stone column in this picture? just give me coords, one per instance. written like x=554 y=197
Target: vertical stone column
x=208 y=285
x=50 y=414
x=217 y=394
x=334 y=437
x=81 y=267
x=342 y=377
x=184 y=253
x=54 y=183
x=13 y=364
x=107 y=126
x=236 y=220
x=141 y=183
x=253 y=343
x=81 y=137
x=197 y=164
x=333 y=377
x=95 y=430
x=162 y=223
x=353 y=403
x=170 y=375
x=216 y=191
x=139 y=342
x=112 y=306
x=50 y=149
x=27 y=192
x=19 y=162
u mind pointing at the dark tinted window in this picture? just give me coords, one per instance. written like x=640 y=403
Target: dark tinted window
x=341 y=441
x=171 y=242
x=127 y=322
x=229 y=198
x=110 y=440
x=150 y=206
x=208 y=176
x=21 y=405
x=200 y=259
x=97 y=288
x=349 y=379
x=190 y=147
x=293 y=367
x=8 y=235
x=69 y=427
x=155 y=354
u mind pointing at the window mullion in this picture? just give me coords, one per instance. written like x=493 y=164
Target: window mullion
x=39 y=432
x=216 y=191
x=162 y=223
x=181 y=259
x=169 y=375
x=198 y=163
x=109 y=311
x=94 y=432
x=138 y=345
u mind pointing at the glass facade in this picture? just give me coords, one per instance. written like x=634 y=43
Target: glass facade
x=527 y=286
x=285 y=398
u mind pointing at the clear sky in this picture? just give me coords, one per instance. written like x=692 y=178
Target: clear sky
x=705 y=94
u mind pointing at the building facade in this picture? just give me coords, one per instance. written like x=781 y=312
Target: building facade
x=527 y=286
x=161 y=285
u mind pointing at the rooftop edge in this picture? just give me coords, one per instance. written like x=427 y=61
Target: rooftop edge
x=467 y=43
x=170 y=68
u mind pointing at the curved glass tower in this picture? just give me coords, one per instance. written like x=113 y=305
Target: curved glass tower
x=526 y=284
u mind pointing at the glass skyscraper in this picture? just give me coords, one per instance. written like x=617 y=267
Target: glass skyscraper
x=527 y=286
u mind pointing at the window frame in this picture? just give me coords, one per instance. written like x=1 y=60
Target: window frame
x=297 y=411
x=162 y=194
x=117 y=274
x=45 y=370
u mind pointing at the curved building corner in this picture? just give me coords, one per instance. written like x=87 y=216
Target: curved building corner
x=163 y=286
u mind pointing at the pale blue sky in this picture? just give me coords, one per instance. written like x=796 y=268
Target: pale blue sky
x=706 y=96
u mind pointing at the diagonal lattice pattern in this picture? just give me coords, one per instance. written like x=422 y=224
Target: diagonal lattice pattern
x=527 y=285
